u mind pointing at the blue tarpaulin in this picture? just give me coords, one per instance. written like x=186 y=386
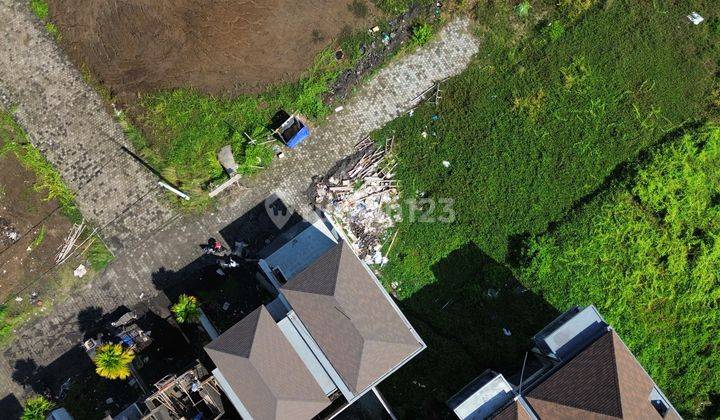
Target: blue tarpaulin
x=298 y=137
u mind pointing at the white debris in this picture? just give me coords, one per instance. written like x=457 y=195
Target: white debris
x=424 y=134
x=446 y=163
x=226 y=306
x=363 y=199
x=695 y=18
x=507 y=332
x=340 y=108
x=18 y=299
x=80 y=271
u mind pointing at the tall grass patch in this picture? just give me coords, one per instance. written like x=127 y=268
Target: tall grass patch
x=647 y=253
x=186 y=128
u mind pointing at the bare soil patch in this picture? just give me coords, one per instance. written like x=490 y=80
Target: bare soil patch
x=25 y=217
x=217 y=47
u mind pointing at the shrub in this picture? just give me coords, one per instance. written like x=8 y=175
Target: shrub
x=37 y=408
x=112 y=361
x=40 y=8
x=421 y=34
x=186 y=309
x=555 y=30
x=647 y=254
x=523 y=9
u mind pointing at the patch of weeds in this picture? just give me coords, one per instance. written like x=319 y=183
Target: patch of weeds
x=555 y=30
x=358 y=8
x=41 y=9
x=421 y=34
x=14 y=139
x=91 y=81
x=99 y=256
x=39 y=238
x=522 y=10
x=2 y=192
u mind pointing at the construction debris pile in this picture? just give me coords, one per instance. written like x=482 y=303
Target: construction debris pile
x=361 y=196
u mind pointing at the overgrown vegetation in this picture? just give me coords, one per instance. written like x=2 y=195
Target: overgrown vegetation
x=37 y=408
x=14 y=140
x=59 y=281
x=647 y=253
x=421 y=34
x=186 y=128
x=537 y=124
x=41 y=9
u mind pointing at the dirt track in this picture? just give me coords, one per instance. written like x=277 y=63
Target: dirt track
x=217 y=46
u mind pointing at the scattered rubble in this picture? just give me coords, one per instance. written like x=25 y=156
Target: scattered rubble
x=361 y=196
x=8 y=234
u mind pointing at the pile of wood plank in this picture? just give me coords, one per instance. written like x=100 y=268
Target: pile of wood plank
x=363 y=198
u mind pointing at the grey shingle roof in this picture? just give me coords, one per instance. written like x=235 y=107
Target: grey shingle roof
x=264 y=370
x=348 y=315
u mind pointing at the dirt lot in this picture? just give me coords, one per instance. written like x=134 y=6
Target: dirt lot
x=24 y=218
x=218 y=46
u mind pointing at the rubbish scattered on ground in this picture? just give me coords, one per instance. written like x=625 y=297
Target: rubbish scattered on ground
x=507 y=332
x=18 y=299
x=340 y=108
x=69 y=244
x=80 y=271
x=226 y=306
x=362 y=197
x=492 y=293
x=695 y=18
x=446 y=163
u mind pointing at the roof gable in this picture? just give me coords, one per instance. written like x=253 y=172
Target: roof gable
x=588 y=382
x=350 y=318
x=264 y=371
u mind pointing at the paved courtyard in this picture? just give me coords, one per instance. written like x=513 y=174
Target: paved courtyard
x=133 y=277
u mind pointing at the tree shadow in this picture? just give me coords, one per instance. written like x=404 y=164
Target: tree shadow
x=10 y=407
x=256 y=227
x=476 y=316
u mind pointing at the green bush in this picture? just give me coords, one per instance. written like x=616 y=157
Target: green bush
x=37 y=408
x=421 y=34
x=523 y=9
x=40 y=8
x=647 y=254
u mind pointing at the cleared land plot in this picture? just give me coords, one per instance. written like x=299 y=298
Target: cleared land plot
x=218 y=47
x=39 y=226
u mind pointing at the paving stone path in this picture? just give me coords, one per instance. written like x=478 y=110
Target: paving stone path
x=129 y=280
x=66 y=120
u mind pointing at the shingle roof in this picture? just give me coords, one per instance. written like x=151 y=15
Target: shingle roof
x=264 y=370
x=348 y=315
x=514 y=411
x=602 y=381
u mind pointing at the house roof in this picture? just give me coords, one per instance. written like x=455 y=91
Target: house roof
x=514 y=411
x=602 y=381
x=349 y=316
x=264 y=371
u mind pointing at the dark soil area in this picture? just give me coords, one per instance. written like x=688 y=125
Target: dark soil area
x=217 y=47
x=31 y=229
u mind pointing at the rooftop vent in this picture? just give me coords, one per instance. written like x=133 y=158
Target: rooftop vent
x=659 y=401
x=570 y=332
x=483 y=396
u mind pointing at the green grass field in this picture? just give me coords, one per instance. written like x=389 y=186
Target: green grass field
x=547 y=116
x=647 y=254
